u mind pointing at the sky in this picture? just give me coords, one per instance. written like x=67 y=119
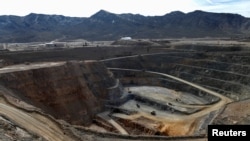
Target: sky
x=86 y=8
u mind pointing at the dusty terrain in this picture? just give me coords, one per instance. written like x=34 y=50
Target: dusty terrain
x=236 y=113
x=163 y=90
x=34 y=123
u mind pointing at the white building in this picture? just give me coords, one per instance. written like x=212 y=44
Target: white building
x=126 y=38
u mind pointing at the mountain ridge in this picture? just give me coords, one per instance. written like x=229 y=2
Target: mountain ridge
x=105 y=25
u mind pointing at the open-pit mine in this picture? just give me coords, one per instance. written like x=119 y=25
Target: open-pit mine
x=169 y=89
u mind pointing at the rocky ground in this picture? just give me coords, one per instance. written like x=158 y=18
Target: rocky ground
x=236 y=113
x=54 y=99
x=9 y=131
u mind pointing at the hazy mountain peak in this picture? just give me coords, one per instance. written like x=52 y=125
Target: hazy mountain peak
x=176 y=13
x=102 y=13
x=105 y=25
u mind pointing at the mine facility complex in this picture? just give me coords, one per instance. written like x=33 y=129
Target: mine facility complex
x=133 y=89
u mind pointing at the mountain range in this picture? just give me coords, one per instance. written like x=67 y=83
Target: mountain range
x=104 y=25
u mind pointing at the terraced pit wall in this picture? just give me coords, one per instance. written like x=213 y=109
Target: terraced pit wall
x=74 y=91
x=225 y=71
x=81 y=53
x=129 y=78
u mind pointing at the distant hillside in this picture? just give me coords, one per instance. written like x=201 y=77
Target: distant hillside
x=109 y=26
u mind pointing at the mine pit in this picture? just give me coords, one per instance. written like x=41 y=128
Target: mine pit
x=157 y=94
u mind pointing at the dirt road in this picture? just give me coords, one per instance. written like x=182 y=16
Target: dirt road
x=223 y=100
x=22 y=67
x=180 y=124
x=31 y=121
x=105 y=116
x=42 y=126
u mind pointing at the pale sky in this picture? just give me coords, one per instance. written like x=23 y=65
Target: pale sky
x=86 y=8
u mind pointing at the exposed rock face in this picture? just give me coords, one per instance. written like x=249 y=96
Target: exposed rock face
x=74 y=91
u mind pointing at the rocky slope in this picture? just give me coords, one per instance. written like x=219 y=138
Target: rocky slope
x=109 y=26
x=236 y=113
x=74 y=91
x=10 y=132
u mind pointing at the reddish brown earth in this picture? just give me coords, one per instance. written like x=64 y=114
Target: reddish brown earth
x=70 y=91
